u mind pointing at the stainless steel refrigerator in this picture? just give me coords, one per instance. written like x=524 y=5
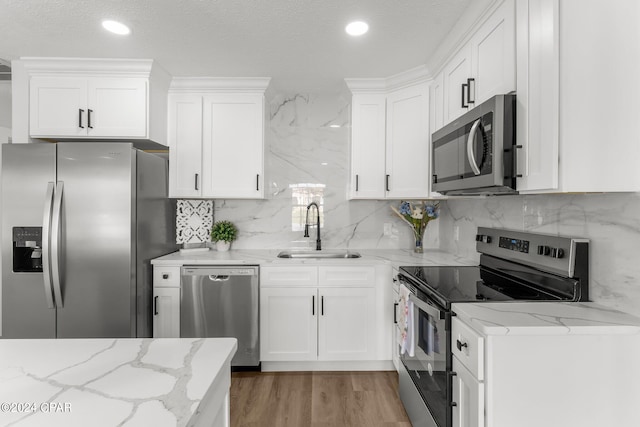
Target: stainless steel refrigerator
x=80 y=223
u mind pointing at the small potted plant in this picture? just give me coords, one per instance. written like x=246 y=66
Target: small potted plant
x=223 y=233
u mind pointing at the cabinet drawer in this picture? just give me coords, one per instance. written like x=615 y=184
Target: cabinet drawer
x=347 y=276
x=468 y=346
x=288 y=276
x=166 y=277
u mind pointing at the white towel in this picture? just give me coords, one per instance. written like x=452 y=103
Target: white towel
x=406 y=323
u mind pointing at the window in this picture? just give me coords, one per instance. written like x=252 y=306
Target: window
x=301 y=196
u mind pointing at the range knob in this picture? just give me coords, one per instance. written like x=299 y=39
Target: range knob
x=483 y=238
x=557 y=253
x=544 y=250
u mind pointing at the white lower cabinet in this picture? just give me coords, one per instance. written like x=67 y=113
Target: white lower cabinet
x=166 y=312
x=346 y=324
x=166 y=302
x=302 y=320
x=288 y=324
x=468 y=396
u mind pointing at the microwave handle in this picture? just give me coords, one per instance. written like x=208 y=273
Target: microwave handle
x=470 y=155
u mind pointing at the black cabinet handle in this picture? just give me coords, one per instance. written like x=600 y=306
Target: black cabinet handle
x=356 y=182
x=460 y=345
x=80 y=111
x=464 y=85
x=313 y=305
x=258 y=182
x=469 y=100
x=89 y=118
x=395 y=312
x=196 y=183
x=155 y=306
x=322 y=305
x=387 y=183
x=165 y=276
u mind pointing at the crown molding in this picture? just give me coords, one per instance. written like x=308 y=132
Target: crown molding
x=413 y=76
x=219 y=84
x=97 y=66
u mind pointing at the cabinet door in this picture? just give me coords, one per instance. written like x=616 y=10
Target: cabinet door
x=166 y=312
x=407 y=148
x=346 y=324
x=185 y=145
x=437 y=103
x=57 y=106
x=455 y=74
x=468 y=395
x=233 y=146
x=493 y=55
x=368 y=117
x=288 y=324
x=537 y=110
x=117 y=107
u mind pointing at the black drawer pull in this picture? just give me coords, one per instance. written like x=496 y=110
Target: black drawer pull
x=460 y=345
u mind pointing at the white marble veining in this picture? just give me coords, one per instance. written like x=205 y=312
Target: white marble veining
x=394 y=257
x=301 y=147
x=108 y=382
x=546 y=318
x=610 y=221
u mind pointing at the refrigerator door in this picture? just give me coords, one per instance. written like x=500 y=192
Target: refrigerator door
x=27 y=171
x=97 y=238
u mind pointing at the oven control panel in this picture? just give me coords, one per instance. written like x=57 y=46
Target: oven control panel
x=518 y=245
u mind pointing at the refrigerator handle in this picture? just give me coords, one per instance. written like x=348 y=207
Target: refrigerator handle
x=46 y=240
x=55 y=243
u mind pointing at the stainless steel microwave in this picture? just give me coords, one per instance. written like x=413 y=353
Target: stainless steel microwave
x=476 y=154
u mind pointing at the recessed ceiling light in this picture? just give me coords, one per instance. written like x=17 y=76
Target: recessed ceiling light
x=116 y=27
x=357 y=28
x=334 y=126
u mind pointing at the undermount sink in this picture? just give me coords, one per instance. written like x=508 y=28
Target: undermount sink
x=318 y=254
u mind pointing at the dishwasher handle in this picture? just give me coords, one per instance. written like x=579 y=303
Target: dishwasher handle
x=222 y=273
x=219 y=278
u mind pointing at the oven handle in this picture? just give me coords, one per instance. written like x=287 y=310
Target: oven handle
x=433 y=311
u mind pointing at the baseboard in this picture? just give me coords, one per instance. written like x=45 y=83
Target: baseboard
x=367 y=365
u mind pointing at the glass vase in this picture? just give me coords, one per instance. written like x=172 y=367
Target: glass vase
x=418 y=247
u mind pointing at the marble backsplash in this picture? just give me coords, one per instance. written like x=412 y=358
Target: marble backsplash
x=611 y=222
x=307 y=159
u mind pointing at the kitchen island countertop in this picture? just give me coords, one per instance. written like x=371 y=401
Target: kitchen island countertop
x=108 y=382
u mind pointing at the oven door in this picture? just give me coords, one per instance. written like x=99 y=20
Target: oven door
x=427 y=363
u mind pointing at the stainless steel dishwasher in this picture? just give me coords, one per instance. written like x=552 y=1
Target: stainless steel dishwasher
x=222 y=301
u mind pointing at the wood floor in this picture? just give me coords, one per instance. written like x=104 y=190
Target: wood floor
x=316 y=399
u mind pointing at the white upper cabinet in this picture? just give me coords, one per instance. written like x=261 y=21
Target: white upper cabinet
x=390 y=137
x=368 y=118
x=233 y=146
x=407 y=166
x=436 y=97
x=493 y=56
x=185 y=145
x=480 y=68
x=96 y=99
x=216 y=138
x=577 y=116
x=457 y=75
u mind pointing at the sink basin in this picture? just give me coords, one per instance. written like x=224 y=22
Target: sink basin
x=318 y=254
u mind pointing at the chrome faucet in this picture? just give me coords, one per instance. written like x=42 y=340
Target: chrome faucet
x=306 y=225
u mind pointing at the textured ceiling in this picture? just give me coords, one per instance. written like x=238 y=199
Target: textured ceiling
x=301 y=44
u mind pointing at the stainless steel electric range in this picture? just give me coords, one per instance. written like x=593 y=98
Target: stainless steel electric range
x=514 y=266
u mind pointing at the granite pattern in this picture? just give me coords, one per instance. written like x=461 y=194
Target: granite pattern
x=302 y=148
x=611 y=222
x=108 y=382
x=546 y=318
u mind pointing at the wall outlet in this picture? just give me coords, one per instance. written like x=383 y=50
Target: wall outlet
x=456 y=233
x=388 y=229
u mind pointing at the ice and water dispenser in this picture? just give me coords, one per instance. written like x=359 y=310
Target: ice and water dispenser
x=27 y=249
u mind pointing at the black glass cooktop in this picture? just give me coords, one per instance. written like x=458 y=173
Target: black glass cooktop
x=475 y=284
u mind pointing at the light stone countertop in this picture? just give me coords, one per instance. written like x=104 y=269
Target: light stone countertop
x=546 y=318
x=263 y=257
x=109 y=382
